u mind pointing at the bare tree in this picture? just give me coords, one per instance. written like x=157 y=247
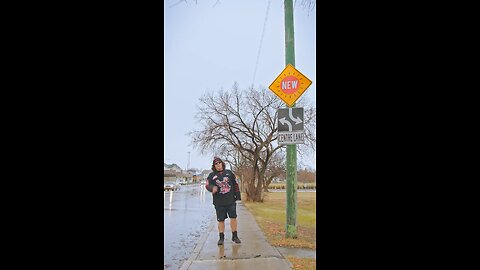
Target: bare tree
x=241 y=126
x=307 y=176
x=276 y=167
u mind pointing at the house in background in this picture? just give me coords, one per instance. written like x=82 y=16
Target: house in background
x=172 y=167
x=169 y=176
x=188 y=177
x=171 y=172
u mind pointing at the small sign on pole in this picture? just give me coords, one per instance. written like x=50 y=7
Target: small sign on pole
x=290 y=126
x=290 y=85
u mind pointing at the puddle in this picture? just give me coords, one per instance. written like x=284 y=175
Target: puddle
x=298 y=252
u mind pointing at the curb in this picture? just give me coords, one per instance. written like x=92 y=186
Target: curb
x=198 y=247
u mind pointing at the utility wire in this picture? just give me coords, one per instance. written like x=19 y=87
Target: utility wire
x=261 y=41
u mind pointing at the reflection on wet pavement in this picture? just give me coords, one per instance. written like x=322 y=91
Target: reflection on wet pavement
x=221 y=251
x=187 y=215
x=231 y=254
x=235 y=249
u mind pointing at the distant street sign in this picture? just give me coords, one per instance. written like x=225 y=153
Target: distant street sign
x=290 y=126
x=290 y=85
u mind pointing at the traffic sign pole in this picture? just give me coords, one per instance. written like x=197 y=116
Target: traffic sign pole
x=291 y=225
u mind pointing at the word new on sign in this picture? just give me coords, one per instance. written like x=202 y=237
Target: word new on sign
x=289 y=85
x=291 y=138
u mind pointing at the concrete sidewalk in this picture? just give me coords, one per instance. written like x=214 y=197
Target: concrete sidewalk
x=253 y=253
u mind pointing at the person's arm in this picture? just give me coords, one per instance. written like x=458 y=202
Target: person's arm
x=210 y=184
x=237 y=195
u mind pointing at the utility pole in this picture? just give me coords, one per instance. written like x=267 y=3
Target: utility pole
x=291 y=225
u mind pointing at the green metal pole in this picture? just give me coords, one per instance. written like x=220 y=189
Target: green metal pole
x=291 y=226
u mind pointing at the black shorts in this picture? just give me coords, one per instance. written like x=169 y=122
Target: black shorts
x=223 y=210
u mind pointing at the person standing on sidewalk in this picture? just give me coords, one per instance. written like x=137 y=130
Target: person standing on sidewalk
x=224 y=187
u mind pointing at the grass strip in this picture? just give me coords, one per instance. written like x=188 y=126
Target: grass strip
x=271 y=218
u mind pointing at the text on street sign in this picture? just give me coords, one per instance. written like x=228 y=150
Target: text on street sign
x=291 y=138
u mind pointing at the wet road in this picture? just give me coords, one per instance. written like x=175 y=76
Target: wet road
x=187 y=214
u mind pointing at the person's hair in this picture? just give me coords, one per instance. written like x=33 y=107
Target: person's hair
x=213 y=166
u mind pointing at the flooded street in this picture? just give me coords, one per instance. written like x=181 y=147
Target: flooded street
x=187 y=213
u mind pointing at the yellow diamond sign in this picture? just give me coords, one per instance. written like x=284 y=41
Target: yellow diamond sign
x=290 y=85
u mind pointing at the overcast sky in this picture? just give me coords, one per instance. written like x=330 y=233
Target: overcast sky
x=211 y=44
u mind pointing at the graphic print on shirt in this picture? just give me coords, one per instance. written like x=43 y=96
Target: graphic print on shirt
x=224 y=185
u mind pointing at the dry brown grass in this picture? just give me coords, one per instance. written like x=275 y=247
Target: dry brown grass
x=303 y=263
x=271 y=217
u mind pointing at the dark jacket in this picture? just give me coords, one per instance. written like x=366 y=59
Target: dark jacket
x=227 y=187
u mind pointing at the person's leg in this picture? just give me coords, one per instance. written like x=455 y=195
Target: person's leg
x=221 y=226
x=221 y=215
x=233 y=224
x=221 y=230
x=232 y=214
